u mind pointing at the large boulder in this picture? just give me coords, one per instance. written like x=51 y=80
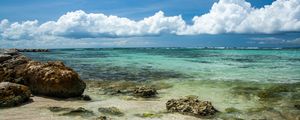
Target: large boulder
x=12 y=94
x=53 y=79
x=191 y=106
x=49 y=79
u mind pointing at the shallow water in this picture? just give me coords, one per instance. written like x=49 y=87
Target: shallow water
x=247 y=84
x=165 y=63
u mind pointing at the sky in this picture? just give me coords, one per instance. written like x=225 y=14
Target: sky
x=149 y=23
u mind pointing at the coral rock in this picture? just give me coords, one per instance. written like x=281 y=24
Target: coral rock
x=191 y=106
x=145 y=92
x=12 y=94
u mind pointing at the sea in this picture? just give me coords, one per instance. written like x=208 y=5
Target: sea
x=143 y=64
x=250 y=83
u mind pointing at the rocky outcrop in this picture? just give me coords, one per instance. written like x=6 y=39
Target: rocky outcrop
x=53 y=79
x=145 y=92
x=4 y=57
x=10 y=51
x=49 y=79
x=33 y=50
x=12 y=94
x=191 y=106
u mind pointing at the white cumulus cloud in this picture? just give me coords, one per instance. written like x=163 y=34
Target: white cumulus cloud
x=225 y=16
x=238 y=16
x=80 y=24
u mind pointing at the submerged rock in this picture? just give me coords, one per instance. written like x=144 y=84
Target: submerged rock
x=246 y=92
x=80 y=112
x=191 y=106
x=276 y=92
x=145 y=92
x=111 y=111
x=53 y=79
x=132 y=89
x=265 y=112
x=149 y=115
x=58 y=109
x=12 y=94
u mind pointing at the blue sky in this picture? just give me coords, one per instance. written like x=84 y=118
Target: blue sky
x=44 y=10
x=178 y=28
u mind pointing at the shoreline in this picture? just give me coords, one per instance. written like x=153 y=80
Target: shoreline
x=132 y=106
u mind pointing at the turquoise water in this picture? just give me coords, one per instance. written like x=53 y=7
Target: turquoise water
x=245 y=84
x=141 y=64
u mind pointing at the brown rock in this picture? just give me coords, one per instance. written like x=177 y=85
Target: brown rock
x=12 y=94
x=49 y=79
x=53 y=79
x=4 y=57
x=191 y=106
x=12 y=69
